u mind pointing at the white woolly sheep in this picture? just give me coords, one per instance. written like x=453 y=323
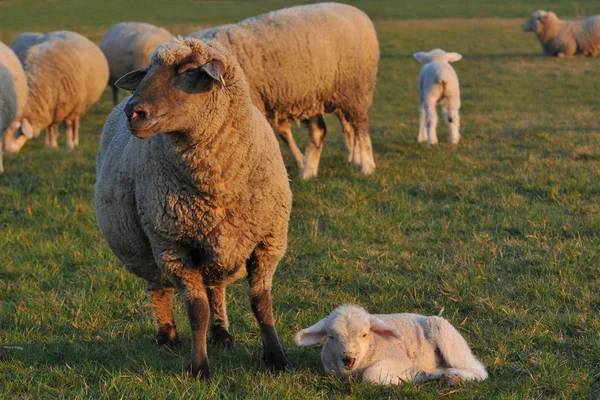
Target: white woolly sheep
x=565 y=38
x=308 y=60
x=8 y=103
x=128 y=46
x=438 y=84
x=66 y=74
x=10 y=62
x=393 y=348
x=203 y=200
x=22 y=43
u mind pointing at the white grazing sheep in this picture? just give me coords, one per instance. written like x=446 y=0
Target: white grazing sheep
x=565 y=38
x=8 y=103
x=203 y=200
x=21 y=44
x=393 y=348
x=438 y=84
x=66 y=74
x=11 y=63
x=304 y=61
x=128 y=46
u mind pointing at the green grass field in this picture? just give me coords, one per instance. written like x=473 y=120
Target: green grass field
x=501 y=233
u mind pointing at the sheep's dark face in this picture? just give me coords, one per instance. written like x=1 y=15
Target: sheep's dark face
x=179 y=92
x=536 y=21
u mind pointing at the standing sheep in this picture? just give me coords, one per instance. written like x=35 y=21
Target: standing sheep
x=128 y=46
x=18 y=94
x=438 y=84
x=203 y=200
x=565 y=38
x=66 y=74
x=22 y=43
x=308 y=60
x=393 y=348
x=8 y=103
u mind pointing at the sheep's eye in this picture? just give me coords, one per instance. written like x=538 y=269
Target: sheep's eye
x=364 y=335
x=190 y=72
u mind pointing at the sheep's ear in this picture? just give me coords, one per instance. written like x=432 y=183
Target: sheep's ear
x=215 y=69
x=26 y=128
x=382 y=329
x=131 y=80
x=421 y=57
x=313 y=334
x=453 y=57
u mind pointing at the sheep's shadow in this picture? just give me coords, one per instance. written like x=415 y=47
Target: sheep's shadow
x=472 y=55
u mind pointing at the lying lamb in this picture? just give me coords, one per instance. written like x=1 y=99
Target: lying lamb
x=565 y=38
x=438 y=84
x=203 y=200
x=393 y=348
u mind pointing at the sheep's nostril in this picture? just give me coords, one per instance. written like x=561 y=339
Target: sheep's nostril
x=138 y=114
x=349 y=362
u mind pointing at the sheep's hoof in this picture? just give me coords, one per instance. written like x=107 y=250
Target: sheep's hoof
x=198 y=371
x=166 y=335
x=220 y=336
x=451 y=379
x=367 y=168
x=277 y=361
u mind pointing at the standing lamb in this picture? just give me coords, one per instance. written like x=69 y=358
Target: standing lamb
x=22 y=43
x=393 y=348
x=8 y=103
x=18 y=94
x=203 y=200
x=308 y=60
x=66 y=74
x=128 y=46
x=565 y=38
x=438 y=84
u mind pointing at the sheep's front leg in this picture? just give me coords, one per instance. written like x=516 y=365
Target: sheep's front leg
x=261 y=267
x=161 y=297
x=69 y=133
x=284 y=129
x=219 y=333
x=51 y=138
x=422 y=137
x=387 y=372
x=317 y=131
x=76 y=124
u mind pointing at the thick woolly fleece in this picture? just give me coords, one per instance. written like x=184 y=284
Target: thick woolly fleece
x=66 y=75
x=564 y=38
x=12 y=63
x=22 y=43
x=8 y=102
x=201 y=204
x=128 y=46
x=307 y=60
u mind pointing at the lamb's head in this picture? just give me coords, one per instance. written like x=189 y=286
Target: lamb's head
x=539 y=20
x=349 y=331
x=188 y=86
x=436 y=55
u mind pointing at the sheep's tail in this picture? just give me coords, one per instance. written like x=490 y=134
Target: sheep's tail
x=455 y=351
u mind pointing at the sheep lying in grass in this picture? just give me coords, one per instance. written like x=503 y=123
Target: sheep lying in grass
x=308 y=60
x=565 y=38
x=203 y=200
x=390 y=349
x=128 y=46
x=438 y=84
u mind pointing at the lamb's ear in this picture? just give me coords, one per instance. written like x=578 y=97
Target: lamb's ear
x=382 y=329
x=313 y=334
x=215 y=69
x=453 y=57
x=421 y=57
x=131 y=80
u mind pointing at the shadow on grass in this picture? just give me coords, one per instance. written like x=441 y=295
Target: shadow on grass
x=395 y=56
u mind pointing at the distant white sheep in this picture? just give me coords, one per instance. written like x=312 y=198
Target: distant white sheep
x=565 y=38
x=438 y=84
x=393 y=348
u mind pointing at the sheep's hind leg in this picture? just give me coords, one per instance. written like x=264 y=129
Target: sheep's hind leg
x=76 y=124
x=431 y=120
x=360 y=123
x=422 y=137
x=261 y=267
x=350 y=139
x=161 y=298
x=51 y=138
x=219 y=330
x=284 y=129
x=317 y=131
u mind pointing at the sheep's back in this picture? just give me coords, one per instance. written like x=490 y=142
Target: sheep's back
x=9 y=59
x=8 y=99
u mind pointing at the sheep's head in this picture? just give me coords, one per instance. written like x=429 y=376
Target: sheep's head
x=538 y=21
x=188 y=86
x=348 y=331
x=436 y=55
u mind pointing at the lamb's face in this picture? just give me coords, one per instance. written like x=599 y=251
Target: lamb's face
x=347 y=343
x=179 y=91
x=535 y=22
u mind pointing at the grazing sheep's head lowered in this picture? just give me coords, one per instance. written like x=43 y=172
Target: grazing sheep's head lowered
x=188 y=85
x=538 y=20
x=348 y=330
x=436 y=55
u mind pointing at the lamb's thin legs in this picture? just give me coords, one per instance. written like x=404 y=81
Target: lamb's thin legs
x=431 y=119
x=360 y=123
x=422 y=137
x=284 y=129
x=76 y=124
x=219 y=329
x=452 y=118
x=161 y=298
x=261 y=267
x=317 y=131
